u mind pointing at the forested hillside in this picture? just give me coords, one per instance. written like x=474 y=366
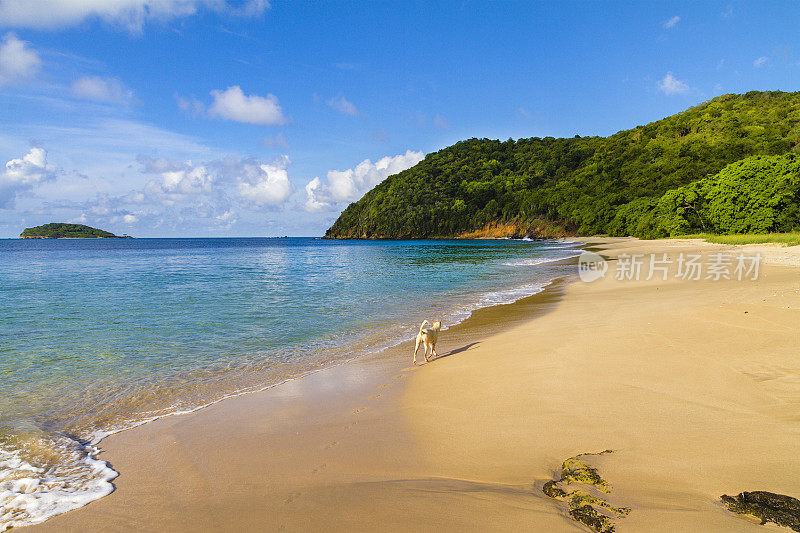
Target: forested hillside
x=656 y=180
x=60 y=230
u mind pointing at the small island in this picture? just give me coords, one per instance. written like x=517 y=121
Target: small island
x=58 y=230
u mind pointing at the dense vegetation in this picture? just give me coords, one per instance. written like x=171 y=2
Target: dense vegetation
x=666 y=178
x=56 y=230
x=757 y=194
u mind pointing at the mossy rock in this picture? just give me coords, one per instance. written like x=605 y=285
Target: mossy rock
x=576 y=486
x=586 y=514
x=766 y=506
x=552 y=491
x=576 y=471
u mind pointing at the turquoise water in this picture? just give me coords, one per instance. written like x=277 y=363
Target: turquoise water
x=100 y=335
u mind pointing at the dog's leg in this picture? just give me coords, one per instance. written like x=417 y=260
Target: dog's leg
x=426 y=352
x=416 y=348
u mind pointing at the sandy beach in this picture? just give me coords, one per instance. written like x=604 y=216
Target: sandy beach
x=693 y=385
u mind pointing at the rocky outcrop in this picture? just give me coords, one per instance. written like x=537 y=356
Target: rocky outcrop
x=767 y=507
x=583 y=489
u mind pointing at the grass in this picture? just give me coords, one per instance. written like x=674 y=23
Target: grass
x=785 y=239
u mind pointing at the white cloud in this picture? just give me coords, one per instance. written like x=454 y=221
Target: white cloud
x=252 y=8
x=182 y=193
x=31 y=168
x=671 y=85
x=106 y=209
x=130 y=14
x=181 y=182
x=265 y=184
x=441 y=122
x=672 y=22
x=316 y=196
x=761 y=61
x=254 y=183
x=96 y=156
x=524 y=112
x=226 y=219
x=17 y=60
x=348 y=185
x=104 y=148
x=193 y=106
x=343 y=106
x=177 y=182
x=275 y=141
x=233 y=104
x=99 y=89
x=23 y=174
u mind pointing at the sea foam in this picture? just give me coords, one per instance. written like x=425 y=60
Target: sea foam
x=167 y=342
x=70 y=477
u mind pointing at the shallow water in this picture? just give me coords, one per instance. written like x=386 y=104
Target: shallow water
x=101 y=335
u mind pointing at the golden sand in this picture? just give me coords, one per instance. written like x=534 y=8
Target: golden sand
x=694 y=385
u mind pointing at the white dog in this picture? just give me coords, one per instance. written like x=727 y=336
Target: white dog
x=427 y=336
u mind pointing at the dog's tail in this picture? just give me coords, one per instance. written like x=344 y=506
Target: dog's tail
x=423 y=325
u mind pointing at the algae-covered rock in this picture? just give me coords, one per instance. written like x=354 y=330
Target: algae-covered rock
x=586 y=514
x=576 y=471
x=551 y=490
x=766 y=506
x=582 y=487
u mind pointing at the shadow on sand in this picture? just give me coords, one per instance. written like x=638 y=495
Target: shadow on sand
x=454 y=351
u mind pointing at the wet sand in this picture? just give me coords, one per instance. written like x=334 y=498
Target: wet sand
x=696 y=397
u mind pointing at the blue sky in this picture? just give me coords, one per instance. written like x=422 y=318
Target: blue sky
x=249 y=118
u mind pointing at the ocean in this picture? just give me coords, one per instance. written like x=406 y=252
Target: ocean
x=102 y=335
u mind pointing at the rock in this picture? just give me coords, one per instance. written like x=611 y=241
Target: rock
x=552 y=491
x=766 y=506
x=577 y=486
x=586 y=514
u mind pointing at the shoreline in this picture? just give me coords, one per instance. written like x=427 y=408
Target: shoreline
x=693 y=385
x=524 y=308
x=468 y=440
x=35 y=500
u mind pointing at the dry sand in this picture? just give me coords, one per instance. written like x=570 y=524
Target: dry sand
x=695 y=385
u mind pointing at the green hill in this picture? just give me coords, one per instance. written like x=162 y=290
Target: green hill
x=612 y=185
x=56 y=230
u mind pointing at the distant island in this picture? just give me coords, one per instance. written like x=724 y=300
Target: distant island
x=728 y=166
x=57 y=230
